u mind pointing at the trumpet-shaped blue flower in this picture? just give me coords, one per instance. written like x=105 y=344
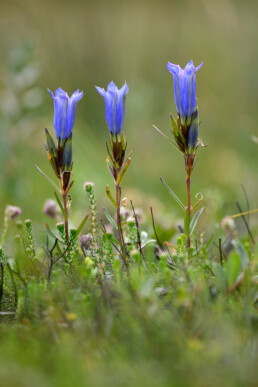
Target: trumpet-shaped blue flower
x=115 y=106
x=185 y=88
x=64 y=112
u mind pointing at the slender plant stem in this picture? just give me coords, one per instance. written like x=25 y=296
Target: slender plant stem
x=188 y=186
x=5 y=226
x=2 y=283
x=118 y=217
x=66 y=217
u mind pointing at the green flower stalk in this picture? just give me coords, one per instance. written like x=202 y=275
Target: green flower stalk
x=185 y=127
x=95 y=250
x=116 y=161
x=60 y=155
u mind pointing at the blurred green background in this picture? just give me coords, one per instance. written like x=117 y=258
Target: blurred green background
x=80 y=44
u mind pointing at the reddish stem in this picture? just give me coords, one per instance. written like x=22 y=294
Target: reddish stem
x=118 y=218
x=188 y=186
x=66 y=218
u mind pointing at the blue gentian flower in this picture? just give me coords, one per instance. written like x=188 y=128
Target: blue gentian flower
x=115 y=106
x=185 y=87
x=64 y=112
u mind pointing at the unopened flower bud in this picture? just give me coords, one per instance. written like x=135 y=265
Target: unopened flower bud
x=228 y=224
x=87 y=185
x=124 y=213
x=124 y=202
x=13 y=211
x=85 y=241
x=108 y=229
x=51 y=208
x=89 y=262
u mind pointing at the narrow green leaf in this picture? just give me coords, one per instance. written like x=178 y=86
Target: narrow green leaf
x=209 y=241
x=166 y=137
x=124 y=170
x=110 y=196
x=110 y=219
x=60 y=206
x=79 y=229
x=241 y=252
x=54 y=237
x=172 y=193
x=195 y=220
x=48 y=178
x=147 y=242
x=205 y=246
x=50 y=232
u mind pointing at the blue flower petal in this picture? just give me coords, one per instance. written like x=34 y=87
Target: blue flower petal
x=172 y=68
x=112 y=86
x=71 y=110
x=121 y=96
x=101 y=91
x=197 y=68
x=60 y=92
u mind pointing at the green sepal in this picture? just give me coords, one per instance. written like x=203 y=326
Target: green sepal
x=123 y=142
x=109 y=154
x=52 y=152
x=67 y=155
x=177 y=133
x=110 y=168
x=193 y=132
x=174 y=126
x=51 y=147
x=118 y=147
